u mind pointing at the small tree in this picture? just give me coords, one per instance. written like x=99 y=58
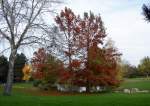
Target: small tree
x=45 y=67
x=144 y=66
x=26 y=72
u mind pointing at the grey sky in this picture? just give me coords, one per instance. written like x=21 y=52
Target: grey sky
x=124 y=22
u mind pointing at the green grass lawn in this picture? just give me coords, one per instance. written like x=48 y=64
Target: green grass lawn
x=140 y=83
x=78 y=100
x=25 y=95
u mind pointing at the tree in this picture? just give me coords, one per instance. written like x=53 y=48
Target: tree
x=20 y=20
x=144 y=66
x=85 y=51
x=146 y=12
x=3 y=69
x=67 y=21
x=26 y=72
x=129 y=71
x=39 y=61
x=45 y=67
x=20 y=61
x=91 y=35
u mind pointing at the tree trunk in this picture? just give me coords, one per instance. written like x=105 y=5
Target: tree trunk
x=147 y=75
x=87 y=66
x=87 y=86
x=10 y=76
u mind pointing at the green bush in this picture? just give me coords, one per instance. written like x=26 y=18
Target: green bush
x=36 y=83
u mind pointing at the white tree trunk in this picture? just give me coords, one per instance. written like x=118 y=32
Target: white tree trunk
x=10 y=76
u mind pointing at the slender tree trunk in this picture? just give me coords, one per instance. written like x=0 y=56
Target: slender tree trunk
x=10 y=76
x=87 y=66
x=87 y=86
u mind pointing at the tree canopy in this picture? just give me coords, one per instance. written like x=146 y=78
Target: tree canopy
x=144 y=66
x=146 y=12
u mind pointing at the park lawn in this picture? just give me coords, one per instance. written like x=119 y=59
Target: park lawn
x=140 y=83
x=25 y=95
x=111 y=99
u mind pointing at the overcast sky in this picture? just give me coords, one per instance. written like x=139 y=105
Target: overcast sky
x=124 y=23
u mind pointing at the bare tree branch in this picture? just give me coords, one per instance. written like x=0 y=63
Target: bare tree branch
x=4 y=50
x=22 y=24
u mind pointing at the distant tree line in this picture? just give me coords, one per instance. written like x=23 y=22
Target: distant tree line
x=142 y=70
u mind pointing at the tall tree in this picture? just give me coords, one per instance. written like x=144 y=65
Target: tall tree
x=85 y=37
x=92 y=33
x=20 y=20
x=146 y=12
x=67 y=23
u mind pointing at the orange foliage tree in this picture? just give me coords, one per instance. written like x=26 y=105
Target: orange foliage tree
x=93 y=64
x=45 y=67
x=92 y=33
x=39 y=64
x=68 y=24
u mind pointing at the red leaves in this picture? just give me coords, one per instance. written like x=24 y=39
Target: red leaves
x=103 y=64
x=75 y=63
x=39 y=56
x=65 y=17
x=96 y=65
x=64 y=76
x=45 y=66
x=77 y=30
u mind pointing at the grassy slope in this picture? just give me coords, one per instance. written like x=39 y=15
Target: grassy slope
x=22 y=98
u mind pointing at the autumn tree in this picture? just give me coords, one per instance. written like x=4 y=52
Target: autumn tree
x=26 y=72
x=20 y=22
x=39 y=63
x=85 y=50
x=92 y=33
x=102 y=70
x=67 y=21
x=103 y=66
x=81 y=34
x=45 y=67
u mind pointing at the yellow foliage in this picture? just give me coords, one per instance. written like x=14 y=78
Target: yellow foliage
x=119 y=72
x=27 y=72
